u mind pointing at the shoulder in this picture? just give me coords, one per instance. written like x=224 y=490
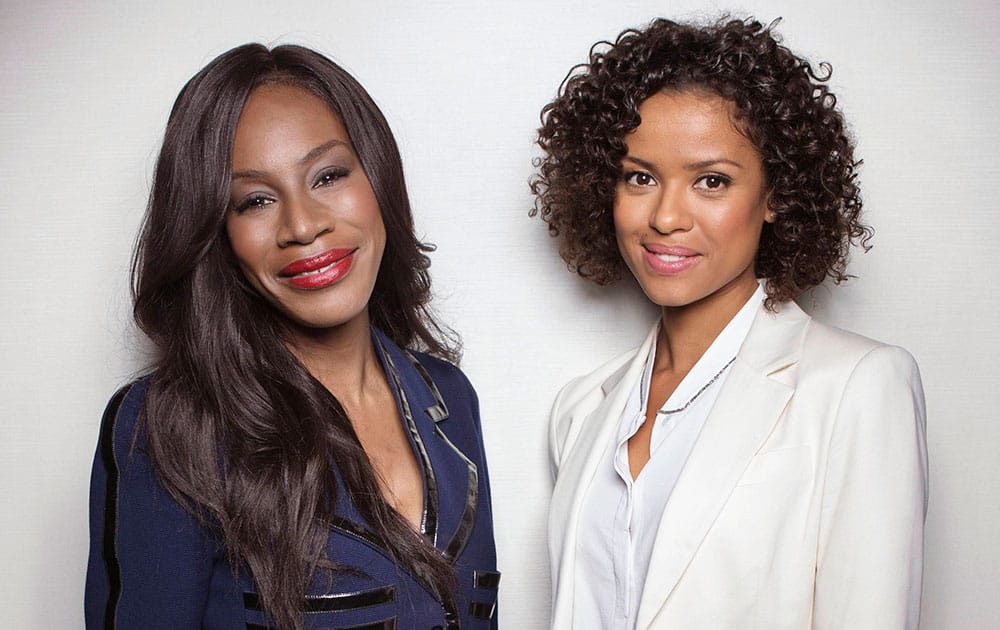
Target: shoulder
x=444 y=373
x=839 y=370
x=593 y=383
x=121 y=415
x=451 y=382
x=576 y=401
x=848 y=352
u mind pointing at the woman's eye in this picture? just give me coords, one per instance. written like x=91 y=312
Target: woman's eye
x=639 y=178
x=712 y=182
x=329 y=176
x=253 y=201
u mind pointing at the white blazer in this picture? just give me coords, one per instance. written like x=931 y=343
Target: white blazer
x=802 y=503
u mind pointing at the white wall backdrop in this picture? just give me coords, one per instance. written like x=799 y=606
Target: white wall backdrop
x=85 y=89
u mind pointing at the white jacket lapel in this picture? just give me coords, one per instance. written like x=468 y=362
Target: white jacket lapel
x=748 y=407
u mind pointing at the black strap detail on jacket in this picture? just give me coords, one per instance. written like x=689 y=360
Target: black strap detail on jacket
x=486 y=579
x=482 y=610
x=439 y=411
x=386 y=624
x=335 y=601
x=429 y=519
x=107 y=450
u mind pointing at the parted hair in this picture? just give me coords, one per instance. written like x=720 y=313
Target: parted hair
x=782 y=104
x=238 y=430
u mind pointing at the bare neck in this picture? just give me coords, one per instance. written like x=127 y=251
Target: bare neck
x=686 y=332
x=342 y=358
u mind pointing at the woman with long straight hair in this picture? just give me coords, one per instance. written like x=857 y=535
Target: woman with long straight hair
x=303 y=454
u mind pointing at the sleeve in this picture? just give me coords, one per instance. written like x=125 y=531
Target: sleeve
x=150 y=561
x=485 y=492
x=869 y=564
x=555 y=437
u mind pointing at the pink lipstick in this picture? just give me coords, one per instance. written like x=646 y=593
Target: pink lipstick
x=669 y=260
x=319 y=271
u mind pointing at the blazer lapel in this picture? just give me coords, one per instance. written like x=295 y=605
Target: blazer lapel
x=751 y=401
x=578 y=469
x=451 y=479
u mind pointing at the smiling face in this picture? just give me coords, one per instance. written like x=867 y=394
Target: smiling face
x=691 y=203
x=303 y=221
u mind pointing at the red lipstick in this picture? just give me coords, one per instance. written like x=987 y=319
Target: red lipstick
x=669 y=260
x=319 y=271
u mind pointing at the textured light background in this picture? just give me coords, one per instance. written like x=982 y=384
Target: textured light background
x=84 y=94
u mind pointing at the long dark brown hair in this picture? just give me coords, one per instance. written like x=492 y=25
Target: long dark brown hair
x=239 y=431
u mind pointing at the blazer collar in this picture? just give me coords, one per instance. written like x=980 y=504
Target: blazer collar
x=752 y=400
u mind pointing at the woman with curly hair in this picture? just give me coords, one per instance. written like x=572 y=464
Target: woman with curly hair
x=746 y=466
x=293 y=461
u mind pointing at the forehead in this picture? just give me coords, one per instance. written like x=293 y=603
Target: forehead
x=689 y=121
x=278 y=116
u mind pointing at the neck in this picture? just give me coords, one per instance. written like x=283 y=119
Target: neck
x=686 y=332
x=342 y=358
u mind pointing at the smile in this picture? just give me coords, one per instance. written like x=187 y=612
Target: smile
x=670 y=257
x=320 y=271
x=669 y=261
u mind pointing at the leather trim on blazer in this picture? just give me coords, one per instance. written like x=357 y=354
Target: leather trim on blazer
x=486 y=579
x=438 y=413
x=482 y=610
x=336 y=601
x=429 y=521
x=386 y=624
x=107 y=442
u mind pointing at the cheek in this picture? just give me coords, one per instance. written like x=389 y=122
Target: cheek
x=369 y=218
x=380 y=238
x=740 y=227
x=245 y=239
x=623 y=215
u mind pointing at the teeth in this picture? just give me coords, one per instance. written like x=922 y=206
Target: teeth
x=669 y=257
x=320 y=270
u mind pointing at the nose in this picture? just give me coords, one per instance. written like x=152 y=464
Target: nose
x=671 y=212
x=303 y=220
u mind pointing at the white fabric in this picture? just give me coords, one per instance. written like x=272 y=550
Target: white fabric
x=620 y=516
x=801 y=505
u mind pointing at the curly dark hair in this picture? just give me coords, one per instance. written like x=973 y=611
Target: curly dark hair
x=782 y=105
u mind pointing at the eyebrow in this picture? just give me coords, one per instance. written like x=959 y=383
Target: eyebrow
x=691 y=166
x=308 y=157
x=320 y=150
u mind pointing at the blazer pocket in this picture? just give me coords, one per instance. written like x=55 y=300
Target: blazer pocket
x=779 y=465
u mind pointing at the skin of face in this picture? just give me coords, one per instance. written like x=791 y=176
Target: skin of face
x=691 y=203
x=303 y=221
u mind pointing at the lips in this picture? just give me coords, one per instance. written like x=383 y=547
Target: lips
x=669 y=260
x=319 y=271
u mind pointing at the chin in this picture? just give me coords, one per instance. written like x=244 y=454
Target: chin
x=673 y=296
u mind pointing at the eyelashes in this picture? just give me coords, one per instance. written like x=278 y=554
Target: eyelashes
x=712 y=182
x=252 y=202
x=330 y=175
x=638 y=178
x=257 y=200
x=709 y=182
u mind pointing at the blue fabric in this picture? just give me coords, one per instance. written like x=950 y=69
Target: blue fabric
x=154 y=566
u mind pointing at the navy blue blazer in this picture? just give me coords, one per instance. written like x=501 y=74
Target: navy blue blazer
x=153 y=565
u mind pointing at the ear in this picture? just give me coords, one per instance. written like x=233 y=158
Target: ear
x=768 y=213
